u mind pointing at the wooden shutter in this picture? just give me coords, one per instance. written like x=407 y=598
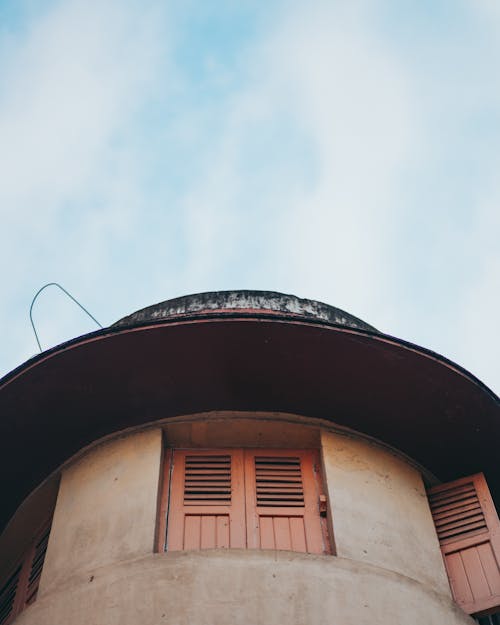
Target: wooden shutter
x=282 y=500
x=8 y=594
x=207 y=508
x=21 y=587
x=489 y=619
x=468 y=529
x=37 y=558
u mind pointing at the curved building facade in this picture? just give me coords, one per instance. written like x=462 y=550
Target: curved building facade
x=247 y=457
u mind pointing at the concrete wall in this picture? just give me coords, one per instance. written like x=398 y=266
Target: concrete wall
x=106 y=508
x=100 y=567
x=236 y=587
x=380 y=512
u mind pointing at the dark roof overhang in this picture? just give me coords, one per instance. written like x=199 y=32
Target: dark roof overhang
x=128 y=375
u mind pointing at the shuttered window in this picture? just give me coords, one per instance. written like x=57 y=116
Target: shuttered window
x=206 y=500
x=244 y=499
x=490 y=619
x=21 y=587
x=37 y=559
x=8 y=594
x=468 y=530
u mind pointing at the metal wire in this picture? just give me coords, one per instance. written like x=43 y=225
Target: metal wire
x=69 y=295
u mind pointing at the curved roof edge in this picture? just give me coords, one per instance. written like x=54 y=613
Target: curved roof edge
x=264 y=302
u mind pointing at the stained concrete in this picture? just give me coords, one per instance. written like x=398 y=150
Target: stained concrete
x=106 y=508
x=234 y=301
x=380 y=512
x=236 y=587
x=100 y=567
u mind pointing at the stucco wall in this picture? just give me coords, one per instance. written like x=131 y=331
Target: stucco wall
x=236 y=587
x=380 y=511
x=106 y=508
x=100 y=567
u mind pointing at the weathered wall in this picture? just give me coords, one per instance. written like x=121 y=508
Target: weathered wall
x=236 y=587
x=380 y=511
x=106 y=508
x=101 y=570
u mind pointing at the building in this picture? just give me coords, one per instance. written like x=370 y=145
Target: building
x=247 y=457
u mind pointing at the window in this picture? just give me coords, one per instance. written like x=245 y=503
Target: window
x=468 y=530
x=244 y=498
x=21 y=586
x=491 y=619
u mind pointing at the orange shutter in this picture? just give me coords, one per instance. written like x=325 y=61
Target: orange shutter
x=207 y=508
x=468 y=529
x=282 y=501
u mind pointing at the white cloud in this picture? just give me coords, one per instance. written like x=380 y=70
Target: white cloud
x=68 y=86
x=475 y=339
x=73 y=82
x=356 y=101
x=347 y=96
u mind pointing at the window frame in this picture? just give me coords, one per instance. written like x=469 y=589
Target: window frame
x=314 y=485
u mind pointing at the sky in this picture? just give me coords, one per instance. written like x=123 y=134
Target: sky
x=347 y=152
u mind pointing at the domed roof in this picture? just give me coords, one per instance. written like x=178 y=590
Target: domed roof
x=252 y=302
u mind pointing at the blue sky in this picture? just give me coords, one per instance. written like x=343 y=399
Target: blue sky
x=341 y=151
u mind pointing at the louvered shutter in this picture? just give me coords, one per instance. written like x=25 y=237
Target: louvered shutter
x=21 y=588
x=8 y=594
x=489 y=619
x=282 y=500
x=36 y=564
x=468 y=529
x=207 y=508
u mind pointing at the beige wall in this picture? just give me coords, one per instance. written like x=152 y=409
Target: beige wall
x=100 y=567
x=380 y=511
x=236 y=587
x=106 y=508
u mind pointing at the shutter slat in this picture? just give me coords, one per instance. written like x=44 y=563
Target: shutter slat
x=455 y=505
x=278 y=503
x=284 y=496
x=202 y=469
x=446 y=492
x=279 y=486
x=442 y=514
x=453 y=500
x=463 y=530
x=451 y=522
